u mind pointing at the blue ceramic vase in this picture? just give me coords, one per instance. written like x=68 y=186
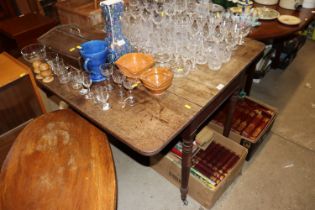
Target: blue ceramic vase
x=112 y=11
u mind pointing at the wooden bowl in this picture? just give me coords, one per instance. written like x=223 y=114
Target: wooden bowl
x=157 y=79
x=133 y=64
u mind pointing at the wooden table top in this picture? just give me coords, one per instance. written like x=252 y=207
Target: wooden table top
x=59 y=161
x=271 y=29
x=156 y=120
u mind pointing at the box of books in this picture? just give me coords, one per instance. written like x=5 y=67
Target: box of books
x=215 y=165
x=252 y=120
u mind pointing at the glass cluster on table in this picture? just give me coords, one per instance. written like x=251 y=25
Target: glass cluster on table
x=100 y=92
x=183 y=33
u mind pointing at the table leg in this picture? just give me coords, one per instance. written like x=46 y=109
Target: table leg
x=249 y=78
x=186 y=164
x=228 y=121
x=250 y=74
x=278 y=44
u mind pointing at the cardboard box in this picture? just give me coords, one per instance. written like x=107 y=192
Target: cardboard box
x=170 y=168
x=250 y=144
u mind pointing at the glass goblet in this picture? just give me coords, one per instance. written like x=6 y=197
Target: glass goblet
x=87 y=82
x=107 y=70
x=118 y=79
x=130 y=84
x=102 y=95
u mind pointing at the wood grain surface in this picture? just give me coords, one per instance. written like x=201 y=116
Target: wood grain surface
x=272 y=29
x=7 y=139
x=156 y=120
x=59 y=162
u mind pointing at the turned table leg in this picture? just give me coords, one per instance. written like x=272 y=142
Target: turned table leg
x=228 y=120
x=186 y=164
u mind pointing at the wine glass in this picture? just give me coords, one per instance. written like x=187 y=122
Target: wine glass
x=133 y=3
x=130 y=84
x=87 y=82
x=118 y=79
x=102 y=95
x=107 y=71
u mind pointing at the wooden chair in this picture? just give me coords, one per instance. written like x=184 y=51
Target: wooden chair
x=59 y=162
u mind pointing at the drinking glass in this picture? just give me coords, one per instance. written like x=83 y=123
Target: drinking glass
x=118 y=79
x=214 y=63
x=130 y=84
x=180 y=6
x=64 y=76
x=58 y=66
x=76 y=79
x=61 y=71
x=133 y=3
x=50 y=58
x=107 y=71
x=86 y=83
x=102 y=95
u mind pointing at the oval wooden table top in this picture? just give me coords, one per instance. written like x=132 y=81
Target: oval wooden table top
x=59 y=162
x=272 y=29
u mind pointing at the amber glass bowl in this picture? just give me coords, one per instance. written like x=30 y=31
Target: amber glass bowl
x=134 y=64
x=157 y=79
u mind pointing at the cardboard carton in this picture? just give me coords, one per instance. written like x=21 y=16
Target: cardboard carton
x=170 y=168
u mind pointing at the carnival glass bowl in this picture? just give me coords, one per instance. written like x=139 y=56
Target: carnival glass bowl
x=133 y=64
x=157 y=79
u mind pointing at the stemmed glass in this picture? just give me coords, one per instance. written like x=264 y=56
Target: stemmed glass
x=102 y=95
x=118 y=79
x=107 y=71
x=180 y=6
x=133 y=3
x=130 y=84
x=87 y=82
x=191 y=7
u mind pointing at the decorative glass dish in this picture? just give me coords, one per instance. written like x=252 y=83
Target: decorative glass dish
x=33 y=52
x=133 y=64
x=157 y=79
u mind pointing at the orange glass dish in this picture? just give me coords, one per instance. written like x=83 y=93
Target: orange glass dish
x=157 y=79
x=134 y=64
